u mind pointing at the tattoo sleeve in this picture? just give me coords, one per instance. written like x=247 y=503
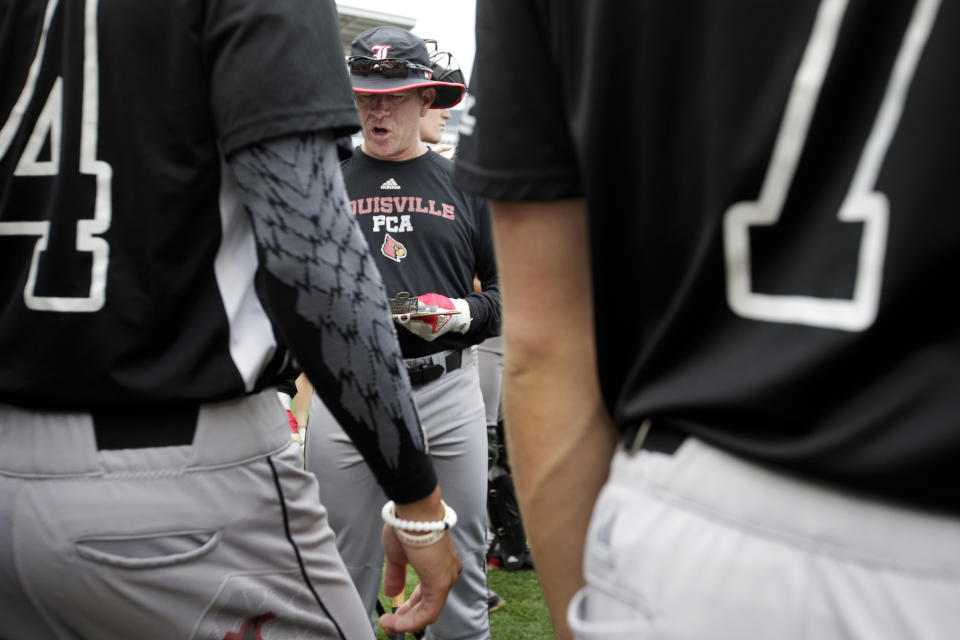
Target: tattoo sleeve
x=326 y=298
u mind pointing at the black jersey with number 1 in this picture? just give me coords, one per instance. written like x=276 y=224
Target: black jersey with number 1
x=771 y=203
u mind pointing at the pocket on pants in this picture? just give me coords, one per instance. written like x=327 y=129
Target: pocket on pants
x=594 y=615
x=147 y=551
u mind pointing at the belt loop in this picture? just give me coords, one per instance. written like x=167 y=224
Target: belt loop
x=454 y=360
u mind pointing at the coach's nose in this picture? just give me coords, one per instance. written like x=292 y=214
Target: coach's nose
x=379 y=105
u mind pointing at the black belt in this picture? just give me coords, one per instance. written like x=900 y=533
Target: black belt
x=653 y=436
x=421 y=374
x=150 y=427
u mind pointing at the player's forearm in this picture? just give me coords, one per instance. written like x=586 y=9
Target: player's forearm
x=560 y=451
x=326 y=298
x=301 y=401
x=559 y=435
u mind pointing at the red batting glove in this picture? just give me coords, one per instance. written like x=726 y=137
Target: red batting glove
x=430 y=327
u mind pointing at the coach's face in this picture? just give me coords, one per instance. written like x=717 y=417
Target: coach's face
x=391 y=122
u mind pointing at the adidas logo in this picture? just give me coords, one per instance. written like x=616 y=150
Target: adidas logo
x=390 y=184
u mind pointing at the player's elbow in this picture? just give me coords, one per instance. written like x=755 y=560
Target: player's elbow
x=534 y=350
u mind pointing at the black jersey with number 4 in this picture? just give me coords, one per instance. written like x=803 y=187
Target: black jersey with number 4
x=772 y=211
x=126 y=264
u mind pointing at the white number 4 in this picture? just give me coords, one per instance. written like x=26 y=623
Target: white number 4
x=862 y=202
x=48 y=127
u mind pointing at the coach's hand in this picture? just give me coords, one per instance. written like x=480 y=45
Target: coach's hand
x=430 y=327
x=437 y=566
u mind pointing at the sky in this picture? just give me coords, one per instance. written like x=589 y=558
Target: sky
x=450 y=22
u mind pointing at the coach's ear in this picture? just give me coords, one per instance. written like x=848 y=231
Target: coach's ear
x=427 y=96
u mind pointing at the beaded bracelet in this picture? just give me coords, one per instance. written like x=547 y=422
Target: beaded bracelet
x=390 y=517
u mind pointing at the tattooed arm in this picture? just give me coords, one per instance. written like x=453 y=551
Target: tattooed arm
x=326 y=298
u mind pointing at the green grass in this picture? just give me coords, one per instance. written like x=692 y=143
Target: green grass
x=524 y=618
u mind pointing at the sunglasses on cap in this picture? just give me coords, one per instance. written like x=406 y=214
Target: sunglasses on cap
x=388 y=67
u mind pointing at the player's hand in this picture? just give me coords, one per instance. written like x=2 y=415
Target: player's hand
x=437 y=566
x=431 y=327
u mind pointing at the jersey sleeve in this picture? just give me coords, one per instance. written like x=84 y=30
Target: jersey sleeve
x=276 y=68
x=326 y=299
x=485 y=305
x=514 y=140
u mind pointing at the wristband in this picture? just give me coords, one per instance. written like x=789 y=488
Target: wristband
x=390 y=517
x=420 y=539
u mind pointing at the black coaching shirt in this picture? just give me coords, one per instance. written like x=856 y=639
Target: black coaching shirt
x=126 y=263
x=772 y=205
x=427 y=236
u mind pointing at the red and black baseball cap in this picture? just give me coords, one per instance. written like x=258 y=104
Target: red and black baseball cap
x=389 y=59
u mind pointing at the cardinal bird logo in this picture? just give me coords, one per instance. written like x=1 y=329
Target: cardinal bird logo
x=393 y=249
x=251 y=629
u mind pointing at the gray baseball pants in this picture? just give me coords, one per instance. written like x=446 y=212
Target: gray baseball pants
x=222 y=538
x=701 y=544
x=490 y=364
x=452 y=414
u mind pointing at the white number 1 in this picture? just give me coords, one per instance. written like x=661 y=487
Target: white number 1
x=48 y=126
x=862 y=202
